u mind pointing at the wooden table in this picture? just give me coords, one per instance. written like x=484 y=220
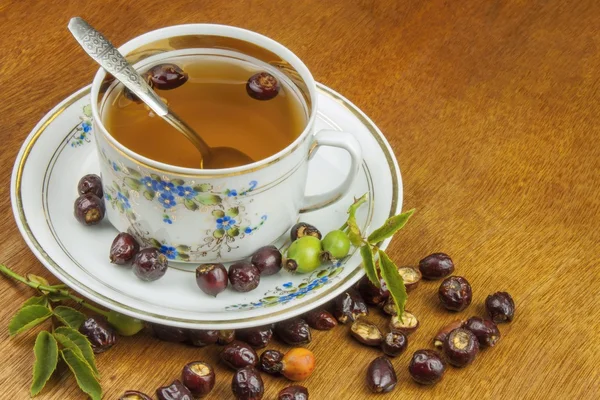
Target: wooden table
x=493 y=110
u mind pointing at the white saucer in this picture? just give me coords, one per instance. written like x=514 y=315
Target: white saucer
x=60 y=150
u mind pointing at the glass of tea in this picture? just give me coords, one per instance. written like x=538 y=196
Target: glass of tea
x=237 y=89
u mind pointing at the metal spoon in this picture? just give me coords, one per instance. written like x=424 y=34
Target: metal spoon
x=105 y=54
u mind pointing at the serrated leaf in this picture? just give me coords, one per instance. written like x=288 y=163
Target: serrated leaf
x=36 y=301
x=149 y=194
x=69 y=316
x=83 y=374
x=218 y=213
x=28 y=317
x=46 y=359
x=132 y=183
x=353 y=230
x=183 y=248
x=70 y=338
x=204 y=187
x=190 y=204
x=233 y=232
x=233 y=212
x=369 y=264
x=219 y=233
x=208 y=199
x=154 y=243
x=390 y=226
x=134 y=172
x=54 y=297
x=393 y=281
x=177 y=182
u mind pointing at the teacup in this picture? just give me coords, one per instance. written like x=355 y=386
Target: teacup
x=217 y=215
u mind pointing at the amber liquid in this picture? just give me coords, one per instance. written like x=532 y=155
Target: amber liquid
x=215 y=103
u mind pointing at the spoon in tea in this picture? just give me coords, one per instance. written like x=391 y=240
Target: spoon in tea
x=105 y=54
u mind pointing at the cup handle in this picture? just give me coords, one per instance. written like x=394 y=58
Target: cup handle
x=342 y=140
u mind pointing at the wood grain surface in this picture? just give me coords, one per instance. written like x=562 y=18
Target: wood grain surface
x=493 y=110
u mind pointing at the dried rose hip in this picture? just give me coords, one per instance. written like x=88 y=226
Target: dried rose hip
x=90 y=183
x=455 y=293
x=123 y=249
x=293 y=331
x=256 y=337
x=321 y=320
x=89 y=209
x=438 y=341
x=390 y=307
x=394 y=344
x=167 y=76
x=134 y=395
x=461 y=347
x=298 y=364
x=426 y=367
x=411 y=277
x=436 y=266
x=500 y=307
x=238 y=354
x=381 y=377
x=349 y=306
x=485 y=330
x=244 y=276
x=372 y=294
x=226 y=336
x=247 y=384
x=169 y=333
x=302 y=229
x=407 y=324
x=202 y=338
x=198 y=377
x=175 y=391
x=270 y=362
x=268 y=260
x=101 y=336
x=262 y=86
x=149 y=264
x=366 y=333
x=212 y=279
x=294 y=392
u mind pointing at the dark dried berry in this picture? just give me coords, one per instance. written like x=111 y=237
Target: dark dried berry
x=302 y=229
x=256 y=337
x=321 y=320
x=411 y=277
x=226 y=336
x=198 y=377
x=268 y=260
x=381 y=377
x=372 y=294
x=485 y=330
x=247 y=384
x=349 y=306
x=270 y=362
x=244 y=276
x=123 y=249
x=293 y=331
x=407 y=324
x=201 y=337
x=294 y=392
x=389 y=307
x=167 y=76
x=394 y=344
x=461 y=347
x=212 y=279
x=262 y=86
x=149 y=264
x=169 y=333
x=101 y=336
x=438 y=341
x=426 y=367
x=436 y=266
x=175 y=391
x=134 y=395
x=455 y=293
x=238 y=354
x=366 y=333
x=89 y=209
x=90 y=183
x=500 y=307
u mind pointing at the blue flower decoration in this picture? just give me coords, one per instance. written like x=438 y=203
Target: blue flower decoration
x=82 y=136
x=168 y=251
x=167 y=221
x=86 y=126
x=149 y=183
x=232 y=193
x=287 y=285
x=124 y=200
x=252 y=185
x=248 y=230
x=115 y=166
x=323 y=279
x=167 y=200
x=225 y=223
x=185 y=191
x=165 y=187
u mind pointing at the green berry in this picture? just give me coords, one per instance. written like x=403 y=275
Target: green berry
x=336 y=243
x=123 y=324
x=304 y=254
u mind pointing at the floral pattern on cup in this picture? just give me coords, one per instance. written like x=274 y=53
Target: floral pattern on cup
x=83 y=131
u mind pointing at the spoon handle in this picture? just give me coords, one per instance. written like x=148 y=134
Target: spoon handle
x=107 y=55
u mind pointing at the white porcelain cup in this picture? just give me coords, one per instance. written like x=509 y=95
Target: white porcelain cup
x=201 y=216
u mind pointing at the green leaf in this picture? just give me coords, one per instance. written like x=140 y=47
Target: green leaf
x=120 y=206
x=270 y=299
x=149 y=194
x=218 y=213
x=69 y=316
x=393 y=281
x=55 y=297
x=87 y=110
x=335 y=272
x=353 y=230
x=233 y=212
x=183 y=256
x=190 y=204
x=219 y=233
x=369 y=264
x=204 y=187
x=83 y=373
x=233 y=232
x=133 y=183
x=183 y=248
x=28 y=317
x=322 y=273
x=71 y=338
x=389 y=227
x=116 y=185
x=36 y=301
x=154 y=243
x=208 y=199
x=177 y=182
x=134 y=172
x=46 y=359
x=40 y=280
x=302 y=285
x=155 y=177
